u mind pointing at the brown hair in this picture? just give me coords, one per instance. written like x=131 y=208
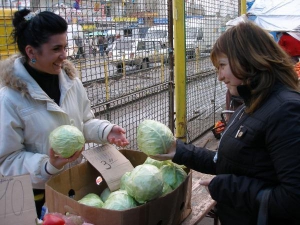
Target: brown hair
x=254 y=55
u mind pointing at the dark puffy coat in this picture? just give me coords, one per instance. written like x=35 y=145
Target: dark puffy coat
x=256 y=152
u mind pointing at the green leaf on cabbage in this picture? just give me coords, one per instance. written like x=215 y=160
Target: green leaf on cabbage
x=154 y=137
x=157 y=163
x=105 y=193
x=173 y=175
x=119 y=200
x=92 y=199
x=124 y=180
x=167 y=189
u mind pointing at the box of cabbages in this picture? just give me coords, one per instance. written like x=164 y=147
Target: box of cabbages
x=65 y=191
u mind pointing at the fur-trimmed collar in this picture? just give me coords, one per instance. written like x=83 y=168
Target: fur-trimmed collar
x=9 y=79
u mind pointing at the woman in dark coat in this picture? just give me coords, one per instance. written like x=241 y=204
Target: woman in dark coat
x=258 y=159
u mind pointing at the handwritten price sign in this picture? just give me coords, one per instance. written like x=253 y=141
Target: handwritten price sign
x=16 y=200
x=110 y=163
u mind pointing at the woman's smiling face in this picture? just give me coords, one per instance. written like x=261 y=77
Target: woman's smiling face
x=226 y=76
x=50 y=56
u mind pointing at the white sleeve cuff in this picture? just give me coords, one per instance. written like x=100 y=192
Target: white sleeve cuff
x=50 y=169
x=104 y=130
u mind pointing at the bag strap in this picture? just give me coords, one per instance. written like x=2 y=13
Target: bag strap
x=262 y=218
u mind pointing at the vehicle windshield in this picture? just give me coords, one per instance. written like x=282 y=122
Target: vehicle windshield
x=123 y=45
x=193 y=33
x=156 y=34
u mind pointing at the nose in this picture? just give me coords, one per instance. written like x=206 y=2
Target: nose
x=63 y=55
x=220 y=76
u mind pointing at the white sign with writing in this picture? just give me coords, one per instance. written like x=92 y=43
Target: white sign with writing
x=16 y=200
x=110 y=163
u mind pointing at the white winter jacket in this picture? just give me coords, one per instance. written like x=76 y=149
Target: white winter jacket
x=28 y=115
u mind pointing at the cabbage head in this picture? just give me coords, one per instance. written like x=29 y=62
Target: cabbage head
x=119 y=200
x=105 y=193
x=173 y=175
x=91 y=199
x=66 y=140
x=157 y=163
x=144 y=183
x=124 y=180
x=154 y=137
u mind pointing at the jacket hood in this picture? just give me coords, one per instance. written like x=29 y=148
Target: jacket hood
x=9 y=79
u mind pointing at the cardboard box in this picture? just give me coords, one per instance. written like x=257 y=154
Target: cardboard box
x=16 y=200
x=80 y=180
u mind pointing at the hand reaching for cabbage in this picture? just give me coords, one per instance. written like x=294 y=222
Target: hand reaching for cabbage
x=169 y=155
x=156 y=140
x=117 y=136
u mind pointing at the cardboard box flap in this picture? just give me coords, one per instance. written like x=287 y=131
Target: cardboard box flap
x=110 y=163
x=17 y=202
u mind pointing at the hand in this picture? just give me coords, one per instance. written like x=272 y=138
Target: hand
x=58 y=162
x=117 y=136
x=205 y=183
x=169 y=155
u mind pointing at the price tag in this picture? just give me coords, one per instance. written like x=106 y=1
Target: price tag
x=110 y=163
x=16 y=200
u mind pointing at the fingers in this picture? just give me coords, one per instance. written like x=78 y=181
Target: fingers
x=122 y=141
x=205 y=182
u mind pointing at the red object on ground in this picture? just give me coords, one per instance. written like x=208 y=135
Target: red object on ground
x=50 y=219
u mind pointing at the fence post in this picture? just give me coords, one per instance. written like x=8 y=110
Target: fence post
x=180 y=69
x=106 y=81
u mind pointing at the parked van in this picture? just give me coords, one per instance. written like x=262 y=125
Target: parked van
x=201 y=33
x=140 y=52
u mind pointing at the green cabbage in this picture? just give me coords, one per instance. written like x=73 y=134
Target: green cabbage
x=124 y=180
x=92 y=199
x=144 y=183
x=173 y=175
x=119 y=200
x=157 y=163
x=66 y=140
x=154 y=137
x=167 y=189
x=104 y=195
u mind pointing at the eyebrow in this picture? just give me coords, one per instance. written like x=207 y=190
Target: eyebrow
x=223 y=60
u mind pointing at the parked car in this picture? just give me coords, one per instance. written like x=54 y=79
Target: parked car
x=136 y=52
x=200 y=34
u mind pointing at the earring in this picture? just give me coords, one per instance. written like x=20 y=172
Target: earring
x=33 y=61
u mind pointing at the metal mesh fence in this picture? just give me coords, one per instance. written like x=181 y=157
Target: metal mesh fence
x=123 y=60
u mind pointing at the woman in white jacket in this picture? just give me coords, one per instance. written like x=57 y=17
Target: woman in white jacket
x=40 y=91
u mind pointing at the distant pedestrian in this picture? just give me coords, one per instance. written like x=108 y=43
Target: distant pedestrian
x=93 y=46
x=101 y=41
x=79 y=42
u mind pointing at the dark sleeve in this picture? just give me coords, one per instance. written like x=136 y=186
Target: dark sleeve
x=236 y=191
x=199 y=159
